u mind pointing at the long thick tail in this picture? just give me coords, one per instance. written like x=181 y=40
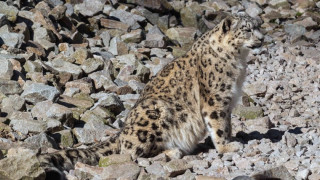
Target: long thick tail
x=64 y=160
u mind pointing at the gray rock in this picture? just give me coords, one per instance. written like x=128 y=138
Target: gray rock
x=279 y=3
x=110 y=101
x=6 y=69
x=10 y=39
x=42 y=140
x=278 y=172
x=190 y=13
x=295 y=31
x=128 y=18
x=186 y=176
x=144 y=162
x=251 y=112
x=37 y=92
x=157 y=169
x=10 y=87
x=255 y=89
x=155 y=38
x=177 y=167
x=112 y=24
x=91 y=65
x=132 y=37
x=48 y=109
x=159 y=5
x=89 y=7
x=114 y=159
x=84 y=85
x=65 y=67
x=307 y=23
x=262 y=125
x=41 y=33
x=32 y=66
x=65 y=138
x=105 y=36
x=289 y=139
x=103 y=79
x=88 y=135
x=253 y=10
x=13 y=103
x=117 y=47
x=10 y=11
x=24 y=123
x=21 y=167
x=128 y=170
x=81 y=54
x=184 y=36
x=242 y=178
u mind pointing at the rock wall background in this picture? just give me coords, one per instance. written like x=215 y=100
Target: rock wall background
x=71 y=70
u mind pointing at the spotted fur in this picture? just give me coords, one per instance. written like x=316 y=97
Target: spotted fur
x=190 y=96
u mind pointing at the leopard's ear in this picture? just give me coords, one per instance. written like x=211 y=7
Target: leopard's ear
x=226 y=25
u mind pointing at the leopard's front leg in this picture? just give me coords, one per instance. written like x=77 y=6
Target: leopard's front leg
x=217 y=117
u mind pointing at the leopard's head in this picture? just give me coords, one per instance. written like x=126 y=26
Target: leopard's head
x=240 y=31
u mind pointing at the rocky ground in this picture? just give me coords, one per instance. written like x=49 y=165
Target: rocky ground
x=71 y=70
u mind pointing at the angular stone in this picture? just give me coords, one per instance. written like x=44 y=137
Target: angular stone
x=253 y=10
x=257 y=89
x=90 y=7
x=294 y=30
x=13 y=103
x=112 y=24
x=190 y=13
x=64 y=138
x=117 y=47
x=184 y=36
x=128 y=170
x=177 y=167
x=307 y=23
x=24 y=123
x=42 y=140
x=88 y=135
x=160 y=5
x=279 y=3
x=289 y=139
x=10 y=39
x=48 y=109
x=91 y=65
x=133 y=37
x=103 y=79
x=88 y=115
x=105 y=36
x=262 y=125
x=157 y=169
x=155 y=38
x=21 y=167
x=6 y=69
x=41 y=33
x=114 y=159
x=37 y=92
x=81 y=55
x=128 y=18
x=10 y=87
x=84 y=85
x=62 y=66
x=32 y=66
x=251 y=112
x=278 y=172
x=10 y=11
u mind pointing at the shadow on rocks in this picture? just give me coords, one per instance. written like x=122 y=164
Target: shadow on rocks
x=273 y=134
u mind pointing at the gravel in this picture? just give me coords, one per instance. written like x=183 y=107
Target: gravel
x=70 y=72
